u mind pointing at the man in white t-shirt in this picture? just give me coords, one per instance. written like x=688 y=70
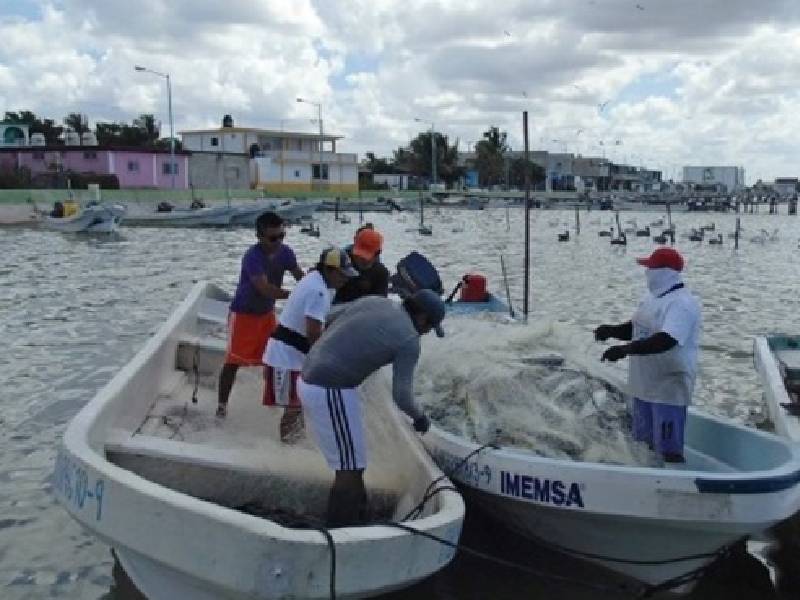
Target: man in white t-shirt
x=665 y=330
x=299 y=326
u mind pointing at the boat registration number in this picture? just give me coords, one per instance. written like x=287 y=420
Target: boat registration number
x=76 y=487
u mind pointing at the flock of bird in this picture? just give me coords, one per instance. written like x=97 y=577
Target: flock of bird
x=697 y=234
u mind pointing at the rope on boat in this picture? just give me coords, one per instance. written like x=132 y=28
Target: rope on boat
x=196 y=372
x=645 y=592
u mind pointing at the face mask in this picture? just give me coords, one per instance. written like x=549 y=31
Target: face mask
x=660 y=280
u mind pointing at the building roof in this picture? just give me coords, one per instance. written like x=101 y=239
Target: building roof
x=61 y=148
x=270 y=132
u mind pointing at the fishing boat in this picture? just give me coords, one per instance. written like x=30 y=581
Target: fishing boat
x=777 y=361
x=215 y=216
x=93 y=218
x=654 y=524
x=291 y=210
x=200 y=508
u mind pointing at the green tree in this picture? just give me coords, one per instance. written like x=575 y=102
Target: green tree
x=517 y=173
x=378 y=165
x=416 y=159
x=489 y=157
x=77 y=122
x=142 y=133
x=47 y=127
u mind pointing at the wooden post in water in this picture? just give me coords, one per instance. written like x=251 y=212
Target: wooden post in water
x=577 y=220
x=360 y=209
x=736 y=234
x=527 y=259
x=336 y=209
x=421 y=210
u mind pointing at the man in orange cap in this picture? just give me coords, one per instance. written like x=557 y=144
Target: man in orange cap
x=665 y=330
x=373 y=276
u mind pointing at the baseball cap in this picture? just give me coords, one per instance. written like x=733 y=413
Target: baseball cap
x=338 y=259
x=433 y=306
x=663 y=258
x=368 y=244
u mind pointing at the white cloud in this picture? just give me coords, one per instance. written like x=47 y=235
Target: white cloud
x=584 y=69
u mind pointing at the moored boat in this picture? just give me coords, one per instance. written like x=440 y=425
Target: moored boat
x=777 y=361
x=652 y=524
x=93 y=218
x=216 y=216
x=567 y=476
x=198 y=508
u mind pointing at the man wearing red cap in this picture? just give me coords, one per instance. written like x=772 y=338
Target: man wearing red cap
x=373 y=277
x=665 y=330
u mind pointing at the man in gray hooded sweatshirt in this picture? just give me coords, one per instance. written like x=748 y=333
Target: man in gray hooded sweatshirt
x=361 y=337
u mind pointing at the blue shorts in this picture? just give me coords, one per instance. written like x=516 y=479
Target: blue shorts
x=660 y=425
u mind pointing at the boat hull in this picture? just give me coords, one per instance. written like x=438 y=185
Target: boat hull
x=494 y=304
x=201 y=217
x=772 y=380
x=92 y=219
x=167 y=499
x=620 y=516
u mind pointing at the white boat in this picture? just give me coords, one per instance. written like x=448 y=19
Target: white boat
x=156 y=476
x=95 y=218
x=216 y=216
x=652 y=524
x=291 y=210
x=777 y=361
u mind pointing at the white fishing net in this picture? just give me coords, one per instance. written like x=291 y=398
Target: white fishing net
x=539 y=388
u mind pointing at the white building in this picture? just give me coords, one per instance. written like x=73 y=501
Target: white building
x=394 y=181
x=731 y=177
x=786 y=186
x=280 y=161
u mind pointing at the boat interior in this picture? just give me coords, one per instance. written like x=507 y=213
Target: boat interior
x=787 y=354
x=164 y=429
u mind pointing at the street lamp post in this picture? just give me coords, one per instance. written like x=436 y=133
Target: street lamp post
x=172 y=164
x=433 y=152
x=319 y=118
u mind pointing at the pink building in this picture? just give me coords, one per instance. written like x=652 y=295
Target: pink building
x=134 y=167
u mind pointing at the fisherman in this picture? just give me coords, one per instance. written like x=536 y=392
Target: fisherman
x=665 y=330
x=373 y=276
x=361 y=337
x=299 y=326
x=252 y=317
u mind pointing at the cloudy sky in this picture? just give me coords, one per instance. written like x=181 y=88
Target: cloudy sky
x=657 y=82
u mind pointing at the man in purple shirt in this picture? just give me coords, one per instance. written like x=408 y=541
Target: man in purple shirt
x=251 y=320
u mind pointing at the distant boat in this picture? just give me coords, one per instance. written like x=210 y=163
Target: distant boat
x=217 y=216
x=93 y=218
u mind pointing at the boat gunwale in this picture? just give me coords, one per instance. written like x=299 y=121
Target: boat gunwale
x=790 y=469
x=76 y=444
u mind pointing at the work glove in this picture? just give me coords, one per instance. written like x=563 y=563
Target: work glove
x=422 y=424
x=602 y=333
x=615 y=353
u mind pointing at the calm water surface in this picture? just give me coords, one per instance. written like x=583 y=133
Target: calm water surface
x=73 y=310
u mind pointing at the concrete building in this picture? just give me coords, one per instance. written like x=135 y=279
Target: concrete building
x=395 y=181
x=731 y=177
x=133 y=167
x=277 y=161
x=594 y=173
x=786 y=187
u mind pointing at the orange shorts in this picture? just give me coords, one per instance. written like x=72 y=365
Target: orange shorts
x=247 y=338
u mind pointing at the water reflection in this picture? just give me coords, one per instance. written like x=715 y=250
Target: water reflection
x=74 y=310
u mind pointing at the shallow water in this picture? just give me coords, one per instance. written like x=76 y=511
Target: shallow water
x=73 y=310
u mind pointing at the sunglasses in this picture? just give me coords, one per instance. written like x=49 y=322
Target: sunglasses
x=275 y=238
